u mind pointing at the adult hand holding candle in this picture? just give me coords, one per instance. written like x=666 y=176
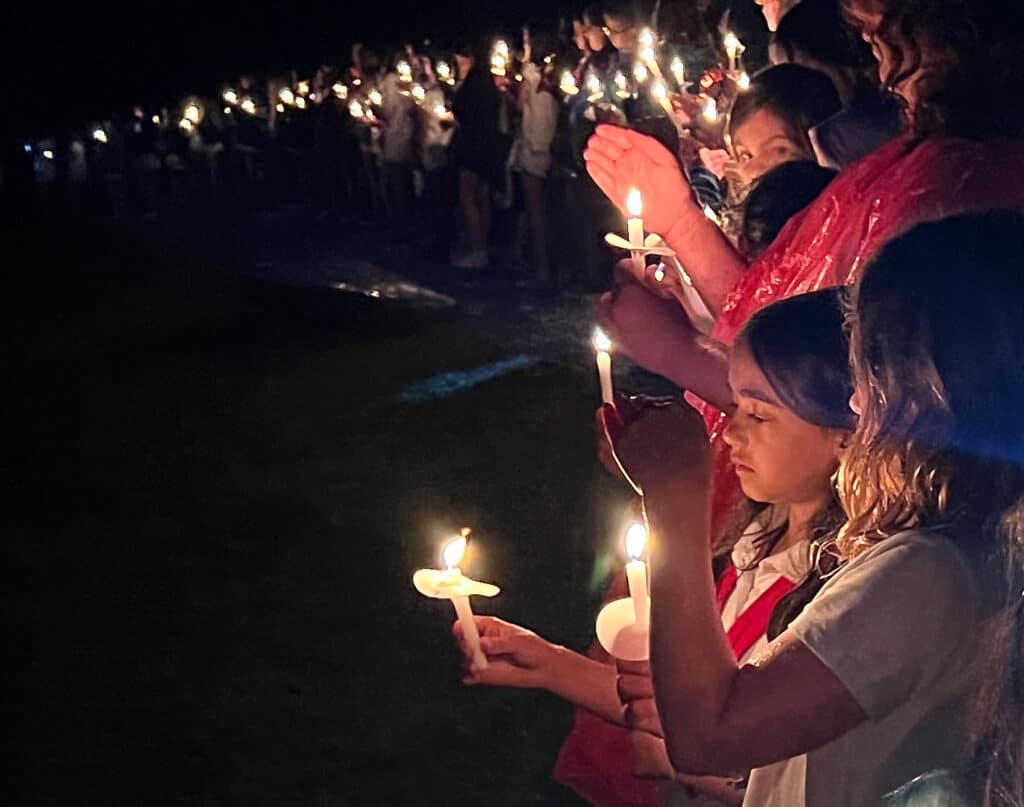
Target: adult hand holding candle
x=451 y=584
x=621 y=160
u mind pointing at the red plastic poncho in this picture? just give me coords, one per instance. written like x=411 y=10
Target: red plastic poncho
x=905 y=183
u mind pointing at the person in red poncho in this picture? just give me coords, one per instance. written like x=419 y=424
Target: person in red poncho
x=958 y=69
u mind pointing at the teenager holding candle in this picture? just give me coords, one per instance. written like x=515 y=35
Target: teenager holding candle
x=797 y=354
x=945 y=61
x=910 y=659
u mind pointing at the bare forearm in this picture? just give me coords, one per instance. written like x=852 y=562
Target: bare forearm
x=701 y=365
x=710 y=260
x=692 y=665
x=585 y=683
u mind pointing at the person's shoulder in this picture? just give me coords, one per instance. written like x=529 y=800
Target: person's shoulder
x=928 y=549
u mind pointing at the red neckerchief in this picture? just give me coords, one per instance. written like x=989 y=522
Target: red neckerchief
x=752 y=624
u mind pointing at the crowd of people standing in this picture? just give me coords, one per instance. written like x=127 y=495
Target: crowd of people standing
x=836 y=503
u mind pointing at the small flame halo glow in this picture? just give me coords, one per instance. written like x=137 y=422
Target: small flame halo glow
x=636 y=540
x=601 y=341
x=635 y=203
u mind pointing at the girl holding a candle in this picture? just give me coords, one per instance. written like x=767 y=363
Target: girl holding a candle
x=910 y=658
x=795 y=354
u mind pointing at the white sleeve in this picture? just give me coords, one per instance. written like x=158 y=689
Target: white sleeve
x=543 y=120
x=889 y=623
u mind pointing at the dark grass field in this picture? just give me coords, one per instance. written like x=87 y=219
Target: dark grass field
x=215 y=505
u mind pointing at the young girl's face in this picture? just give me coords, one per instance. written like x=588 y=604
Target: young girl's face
x=763 y=142
x=779 y=457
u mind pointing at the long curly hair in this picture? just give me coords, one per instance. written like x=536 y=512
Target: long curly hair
x=972 y=88
x=937 y=350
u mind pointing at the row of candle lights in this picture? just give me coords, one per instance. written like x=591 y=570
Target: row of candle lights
x=647 y=66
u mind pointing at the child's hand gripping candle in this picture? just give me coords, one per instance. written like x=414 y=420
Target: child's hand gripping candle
x=603 y=346
x=623 y=626
x=451 y=584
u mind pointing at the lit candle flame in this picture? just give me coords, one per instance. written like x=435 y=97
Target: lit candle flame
x=231 y=96
x=640 y=72
x=636 y=540
x=286 y=95
x=156 y=120
x=444 y=70
x=340 y=90
x=441 y=110
x=732 y=44
x=47 y=154
x=375 y=97
x=602 y=344
x=659 y=91
x=620 y=80
x=193 y=113
x=418 y=92
x=593 y=84
x=743 y=82
x=501 y=48
x=185 y=124
x=355 y=109
x=635 y=203
x=454 y=550
x=404 y=71
x=279 y=108
x=300 y=102
x=568 y=83
x=646 y=38
x=303 y=88
x=678 y=69
x=710 y=111
x=248 y=105
x=99 y=135
x=647 y=55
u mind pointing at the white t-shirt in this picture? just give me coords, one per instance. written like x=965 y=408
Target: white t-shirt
x=899 y=627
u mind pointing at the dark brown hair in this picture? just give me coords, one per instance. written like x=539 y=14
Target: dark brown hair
x=936 y=348
x=974 y=90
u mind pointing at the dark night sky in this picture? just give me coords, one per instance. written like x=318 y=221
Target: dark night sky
x=91 y=59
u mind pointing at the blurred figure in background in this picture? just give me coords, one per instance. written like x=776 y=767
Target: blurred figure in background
x=435 y=131
x=478 y=149
x=531 y=152
x=814 y=34
x=398 y=140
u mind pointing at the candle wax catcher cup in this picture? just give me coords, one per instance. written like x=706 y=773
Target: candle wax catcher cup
x=451 y=584
x=619 y=633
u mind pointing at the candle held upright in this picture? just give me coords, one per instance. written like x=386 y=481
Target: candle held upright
x=603 y=347
x=636 y=574
x=450 y=584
